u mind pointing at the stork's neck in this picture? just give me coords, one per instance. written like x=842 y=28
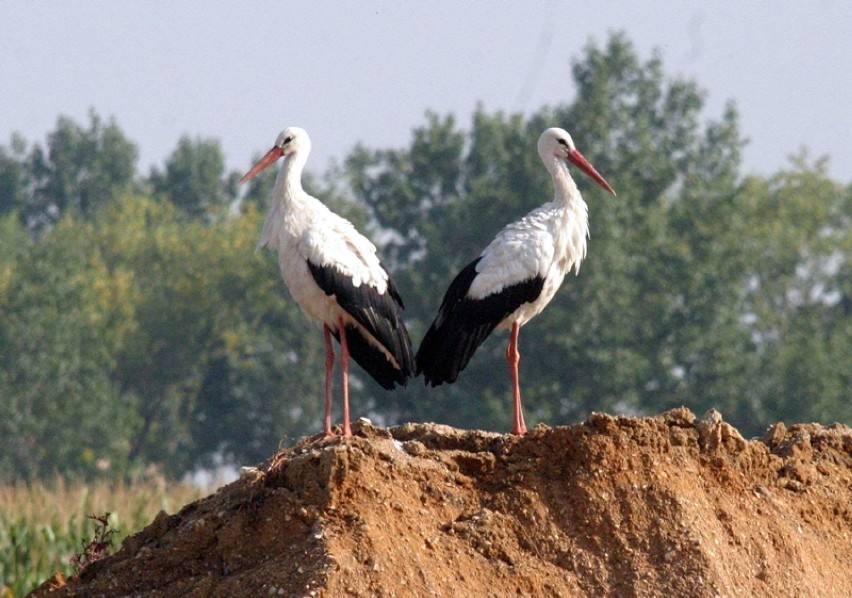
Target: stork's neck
x=288 y=202
x=565 y=190
x=574 y=216
x=288 y=184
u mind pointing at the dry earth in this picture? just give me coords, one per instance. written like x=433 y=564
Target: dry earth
x=615 y=506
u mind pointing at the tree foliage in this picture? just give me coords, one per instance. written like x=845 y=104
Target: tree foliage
x=138 y=325
x=798 y=234
x=139 y=338
x=79 y=171
x=64 y=319
x=194 y=179
x=660 y=314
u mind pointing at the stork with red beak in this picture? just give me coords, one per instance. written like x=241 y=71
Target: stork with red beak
x=333 y=274
x=515 y=277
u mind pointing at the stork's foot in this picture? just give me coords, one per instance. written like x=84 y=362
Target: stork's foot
x=330 y=434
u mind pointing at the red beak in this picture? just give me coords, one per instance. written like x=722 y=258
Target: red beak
x=579 y=160
x=269 y=159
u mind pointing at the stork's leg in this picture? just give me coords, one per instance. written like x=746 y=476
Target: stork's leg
x=513 y=357
x=329 y=367
x=344 y=365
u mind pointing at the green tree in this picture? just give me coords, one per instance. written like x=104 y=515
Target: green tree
x=194 y=178
x=798 y=308
x=63 y=321
x=222 y=365
x=80 y=171
x=142 y=337
x=13 y=176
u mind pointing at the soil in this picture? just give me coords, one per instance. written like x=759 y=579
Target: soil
x=615 y=506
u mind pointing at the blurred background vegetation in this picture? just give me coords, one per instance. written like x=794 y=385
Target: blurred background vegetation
x=43 y=524
x=142 y=338
x=138 y=326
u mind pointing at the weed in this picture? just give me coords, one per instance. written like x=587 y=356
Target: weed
x=96 y=548
x=41 y=524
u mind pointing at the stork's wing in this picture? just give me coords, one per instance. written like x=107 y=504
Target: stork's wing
x=344 y=265
x=464 y=322
x=335 y=241
x=520 y=252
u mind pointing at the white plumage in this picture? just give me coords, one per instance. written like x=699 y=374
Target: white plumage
x=334 y=275
x=515 y=276
x=548 y=242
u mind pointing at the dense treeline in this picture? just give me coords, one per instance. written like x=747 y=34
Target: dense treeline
x=137 y=325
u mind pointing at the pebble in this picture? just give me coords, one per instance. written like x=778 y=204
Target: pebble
x=247 y=472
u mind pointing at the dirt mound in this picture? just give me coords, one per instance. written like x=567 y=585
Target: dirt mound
x=616 y=506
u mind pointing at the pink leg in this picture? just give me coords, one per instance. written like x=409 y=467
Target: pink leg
x=513 y=356
x=344 y=363
x=329 y=367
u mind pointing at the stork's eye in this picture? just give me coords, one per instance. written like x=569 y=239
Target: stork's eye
x=287 y=140
x=563 y=142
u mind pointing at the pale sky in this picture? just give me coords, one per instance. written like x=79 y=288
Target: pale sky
x=367 y=71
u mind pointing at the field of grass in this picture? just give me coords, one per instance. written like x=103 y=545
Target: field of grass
x=42 y=525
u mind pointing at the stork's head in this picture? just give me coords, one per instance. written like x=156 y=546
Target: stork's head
x=290 y=141
x=557 y=143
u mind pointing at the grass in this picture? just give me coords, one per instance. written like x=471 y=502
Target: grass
x=43 y=525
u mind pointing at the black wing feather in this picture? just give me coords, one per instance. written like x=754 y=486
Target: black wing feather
x=380 y=315
x=462 y=324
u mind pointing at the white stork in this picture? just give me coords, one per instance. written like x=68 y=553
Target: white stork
x=515 y=277
x=333 y=274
